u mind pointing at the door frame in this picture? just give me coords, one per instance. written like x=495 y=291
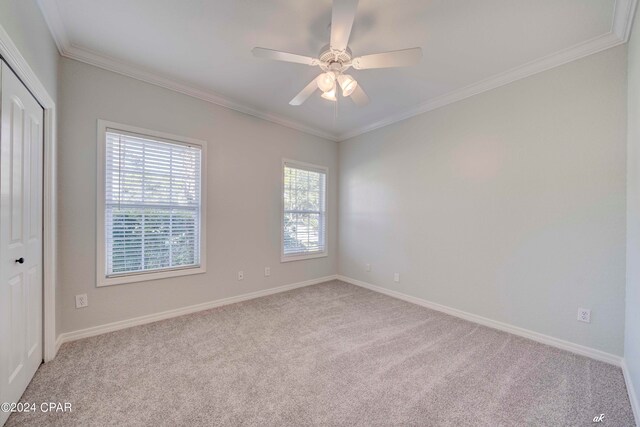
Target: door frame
x=16 y=61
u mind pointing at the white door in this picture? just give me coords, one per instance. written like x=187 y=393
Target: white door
x=21 y=144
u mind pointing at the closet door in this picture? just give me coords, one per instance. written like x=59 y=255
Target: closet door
x=21 y=152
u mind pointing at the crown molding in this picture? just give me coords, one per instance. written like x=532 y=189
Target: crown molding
x=622 y=21
x=112 y=64
x=623 y=14
x=52 y=17
x=590 y=47
x=55 y=23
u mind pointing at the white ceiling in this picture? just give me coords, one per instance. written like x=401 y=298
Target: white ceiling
x=203 y=48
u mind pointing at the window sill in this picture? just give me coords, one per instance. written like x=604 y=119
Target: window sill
x=301 y=257
x=144 y=277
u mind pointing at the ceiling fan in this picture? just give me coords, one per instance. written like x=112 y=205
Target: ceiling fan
x=336 y=58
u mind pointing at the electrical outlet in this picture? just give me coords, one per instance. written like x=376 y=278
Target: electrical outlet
x=584 y=315
x=240 y=275
x=82 y=300
x=367 y=267
x=267 y=271
x=396 y=277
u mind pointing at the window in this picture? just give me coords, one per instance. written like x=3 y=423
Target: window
x=151 y=205
x=304 y=222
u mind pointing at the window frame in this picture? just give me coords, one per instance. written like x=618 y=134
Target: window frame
x=101 y=274
x=310 y=167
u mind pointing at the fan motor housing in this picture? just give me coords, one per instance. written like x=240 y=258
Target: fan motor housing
x=328 y=56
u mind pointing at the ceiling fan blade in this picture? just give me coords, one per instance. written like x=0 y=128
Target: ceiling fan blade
x=277 y=55
x=342 y=16
x=359 y=96
x=305 y=93
x=396 y=58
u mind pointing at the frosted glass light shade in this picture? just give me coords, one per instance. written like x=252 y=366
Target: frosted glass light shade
x=330 y=94
x=347 y=83
x=326 y=81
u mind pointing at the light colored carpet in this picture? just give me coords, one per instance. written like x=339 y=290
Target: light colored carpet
x=330 y=354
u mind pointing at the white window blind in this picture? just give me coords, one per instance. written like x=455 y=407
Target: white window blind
x=304 y=222
x=152 y=204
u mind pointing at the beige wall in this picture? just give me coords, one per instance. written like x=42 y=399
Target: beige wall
x=509 y=205
x=632 y=324
x=24 y=23
x=244 y=177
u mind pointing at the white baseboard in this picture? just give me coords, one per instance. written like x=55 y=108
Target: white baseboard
x=150 y=318
x=58 y=344
x=633 y=396
x=526 y=333
x=535 y=336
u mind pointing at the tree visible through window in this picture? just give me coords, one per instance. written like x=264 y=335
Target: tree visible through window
x=304 y=221
x=152 y=204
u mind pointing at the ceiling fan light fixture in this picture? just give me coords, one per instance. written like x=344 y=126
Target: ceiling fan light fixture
x=326 y=81
x=336 y=57
x=330 y=94
x=347 y=83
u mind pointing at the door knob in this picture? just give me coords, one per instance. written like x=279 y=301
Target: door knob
x=20 y=260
